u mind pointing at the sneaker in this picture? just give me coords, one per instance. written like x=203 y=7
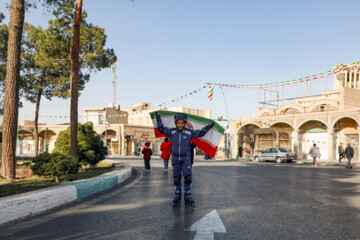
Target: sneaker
x=165 y=170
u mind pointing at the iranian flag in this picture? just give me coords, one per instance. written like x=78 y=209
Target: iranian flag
x=288 y=82
x=329 y=73
x=346 y=67
x=353 y=65
x=321 y=75
x=294 y=81
x=282 y=83
x=208 y=143
x=276 y=84
x=308 y=78
x=106 y=123
x=314 y=77
x=271 y=84
x=301 y=80
x=336 y=70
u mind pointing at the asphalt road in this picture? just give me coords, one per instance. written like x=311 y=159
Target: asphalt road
x=253 y=201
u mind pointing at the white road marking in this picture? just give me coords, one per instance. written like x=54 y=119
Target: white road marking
x=206 y=226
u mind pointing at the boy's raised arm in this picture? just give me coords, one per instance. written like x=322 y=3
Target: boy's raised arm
x=160 y=125
x=202 y=132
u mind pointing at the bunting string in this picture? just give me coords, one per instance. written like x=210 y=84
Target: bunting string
x=210 y=91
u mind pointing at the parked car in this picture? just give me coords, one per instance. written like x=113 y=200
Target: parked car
x=275 y=154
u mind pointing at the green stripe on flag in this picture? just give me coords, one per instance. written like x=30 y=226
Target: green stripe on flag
x=197 y=119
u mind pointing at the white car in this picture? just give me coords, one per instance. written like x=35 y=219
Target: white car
x=275 y=154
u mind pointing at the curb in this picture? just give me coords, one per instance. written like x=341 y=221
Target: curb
x=36 y=202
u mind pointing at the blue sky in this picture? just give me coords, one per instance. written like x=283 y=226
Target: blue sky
x=168 y=48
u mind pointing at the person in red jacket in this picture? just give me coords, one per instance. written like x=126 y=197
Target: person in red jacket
x=165 y=155
x=147 y=156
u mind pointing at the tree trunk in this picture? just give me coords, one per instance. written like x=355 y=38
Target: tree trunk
x=11 y=103
x=36 y=130
x=74 y=79
x=57 y=178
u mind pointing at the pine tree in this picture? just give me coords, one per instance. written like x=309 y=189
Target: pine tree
x=46 y=55
x=11 y=101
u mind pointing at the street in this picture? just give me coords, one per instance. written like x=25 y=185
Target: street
x=244 y=200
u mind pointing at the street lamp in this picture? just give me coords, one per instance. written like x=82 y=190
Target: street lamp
x=227 y=125
x=227 y=149
x=46 y=146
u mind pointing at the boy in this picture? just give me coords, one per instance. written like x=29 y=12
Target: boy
x=181 y=156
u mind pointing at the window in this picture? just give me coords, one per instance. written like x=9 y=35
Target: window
x=273 y=150
x=283 y=150
x=267 y=150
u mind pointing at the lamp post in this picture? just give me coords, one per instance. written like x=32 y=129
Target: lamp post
x=46 y=146
x=227 y=125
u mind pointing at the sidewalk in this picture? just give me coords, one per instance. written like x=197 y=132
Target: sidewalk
x=36 y=202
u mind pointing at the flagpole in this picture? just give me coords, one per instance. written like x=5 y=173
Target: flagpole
x=227 y=125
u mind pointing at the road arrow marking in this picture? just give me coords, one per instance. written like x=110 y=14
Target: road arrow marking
x=207 y=226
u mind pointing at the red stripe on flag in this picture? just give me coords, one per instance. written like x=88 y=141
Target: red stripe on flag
x=205 y=146
x=158 y=134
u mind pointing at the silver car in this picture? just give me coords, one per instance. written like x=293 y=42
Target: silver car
x=275 y=154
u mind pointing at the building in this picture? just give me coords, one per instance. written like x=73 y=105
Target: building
x=326 y=120
x=122 y=137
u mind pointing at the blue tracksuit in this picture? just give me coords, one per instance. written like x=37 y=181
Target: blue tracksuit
x=181 y=151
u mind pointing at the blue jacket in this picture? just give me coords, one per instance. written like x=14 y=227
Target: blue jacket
x=180 y=140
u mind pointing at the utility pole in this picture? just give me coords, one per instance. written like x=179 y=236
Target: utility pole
x=74 y=79
x=114 y=69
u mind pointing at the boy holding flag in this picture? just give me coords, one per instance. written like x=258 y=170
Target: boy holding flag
x=181 y=156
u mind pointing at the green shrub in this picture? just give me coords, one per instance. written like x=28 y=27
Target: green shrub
x=55 y=165
x=91 y=149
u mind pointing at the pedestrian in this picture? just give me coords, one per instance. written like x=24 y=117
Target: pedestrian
x=165 y=155
x=139 y=150
x=181 y=158
x=349 y=154
x=193 y=146
x=147 y=156
x=314 y=153
x=341 y=152
x=240 y=151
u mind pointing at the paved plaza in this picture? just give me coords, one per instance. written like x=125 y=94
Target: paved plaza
x=234 y=200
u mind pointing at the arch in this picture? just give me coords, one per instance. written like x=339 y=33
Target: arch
x=24 y=133
x=48 y=131
x=342 y=117
x=247 y=123
x=310 y=120
x=283 y=122
x=109 y=131
x=325 y=104
x=290 y=108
